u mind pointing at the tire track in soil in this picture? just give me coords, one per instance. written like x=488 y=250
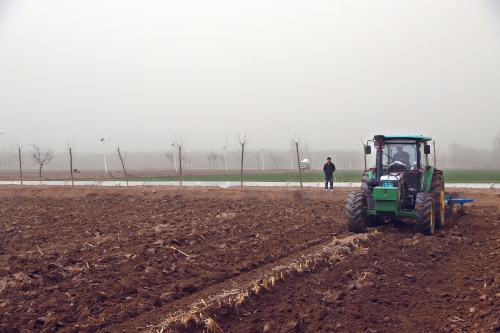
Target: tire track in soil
x=238 y=291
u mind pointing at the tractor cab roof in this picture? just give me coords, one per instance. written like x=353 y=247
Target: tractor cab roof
x=420 y=138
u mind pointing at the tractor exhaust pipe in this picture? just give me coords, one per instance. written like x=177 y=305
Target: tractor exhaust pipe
x=379 y=145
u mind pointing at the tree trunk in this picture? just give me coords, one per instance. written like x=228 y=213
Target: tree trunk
x=20 y=166
x=241 y=168
x=123 y=165
x=180 y=165
x=298 y=163
x=71 y=165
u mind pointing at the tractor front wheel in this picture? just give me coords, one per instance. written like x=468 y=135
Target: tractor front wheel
x=424 y=213
x=356 y=202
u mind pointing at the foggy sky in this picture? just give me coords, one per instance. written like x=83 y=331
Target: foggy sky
x=140 y=72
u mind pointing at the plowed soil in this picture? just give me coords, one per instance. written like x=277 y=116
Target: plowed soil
x=165 y=259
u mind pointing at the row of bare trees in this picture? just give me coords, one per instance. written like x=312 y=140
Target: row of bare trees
x=43 y=157
x=459 y=156
x=39 y=155
x=212 y=158
x=177 y=156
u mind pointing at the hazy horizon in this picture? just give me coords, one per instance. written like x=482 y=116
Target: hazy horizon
x=140 y=73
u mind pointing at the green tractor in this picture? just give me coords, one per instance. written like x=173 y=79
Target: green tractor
x=402 y=184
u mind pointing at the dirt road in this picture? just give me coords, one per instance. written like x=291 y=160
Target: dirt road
x=93 y=259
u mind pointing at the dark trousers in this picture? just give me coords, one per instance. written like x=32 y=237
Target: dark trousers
x=328 y=178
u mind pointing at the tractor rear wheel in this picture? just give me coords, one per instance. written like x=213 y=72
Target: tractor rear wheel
x=356 y=202
x=424 y=213
x=437 y=190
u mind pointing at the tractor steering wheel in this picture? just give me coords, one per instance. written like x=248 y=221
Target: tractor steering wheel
x=396 y=166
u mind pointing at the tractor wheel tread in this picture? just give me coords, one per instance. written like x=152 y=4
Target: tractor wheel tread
x=424 y=213
x=437 y=186
x=364 y=183
x=356 y=201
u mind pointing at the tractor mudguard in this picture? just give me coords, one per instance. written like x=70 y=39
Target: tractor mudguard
x=427 y=178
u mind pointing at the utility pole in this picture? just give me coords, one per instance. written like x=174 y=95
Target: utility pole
x=103 y=142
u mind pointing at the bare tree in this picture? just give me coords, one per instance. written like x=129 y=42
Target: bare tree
x=242 y=141
x=214 y=160
x=186 y=159
x=180 y=144
x=256 y=155
x=496 y=150
x=40 y=156
x=436 y=158
x=273 y=160
x=363 y=145
x=209 y=158
x=70 y=146
x=18 y=153
x=297 y=150
x=122 y=156
x=170 y=156
x=277 y=162
x=280 y=162
x=222 y=159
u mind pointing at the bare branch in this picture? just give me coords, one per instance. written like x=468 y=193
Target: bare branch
x=171 y=157
x=40 y=156
x=496 y=150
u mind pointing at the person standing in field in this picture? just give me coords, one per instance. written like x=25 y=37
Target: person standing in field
x=329 y=169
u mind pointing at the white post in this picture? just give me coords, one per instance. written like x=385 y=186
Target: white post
x=105 y=167
x=313 y=161
x=262 y=151
x=225 y=161
x=104 y=154
x=350 y=167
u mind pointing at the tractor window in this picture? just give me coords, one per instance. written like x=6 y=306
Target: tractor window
x=423 y=157
x=401 y=152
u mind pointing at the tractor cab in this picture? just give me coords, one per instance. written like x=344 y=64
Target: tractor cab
x=400 y=160
x=405 y=159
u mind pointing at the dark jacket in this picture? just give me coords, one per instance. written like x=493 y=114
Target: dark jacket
x=328 y=169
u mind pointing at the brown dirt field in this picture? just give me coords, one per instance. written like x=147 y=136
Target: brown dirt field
x=164 y=259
